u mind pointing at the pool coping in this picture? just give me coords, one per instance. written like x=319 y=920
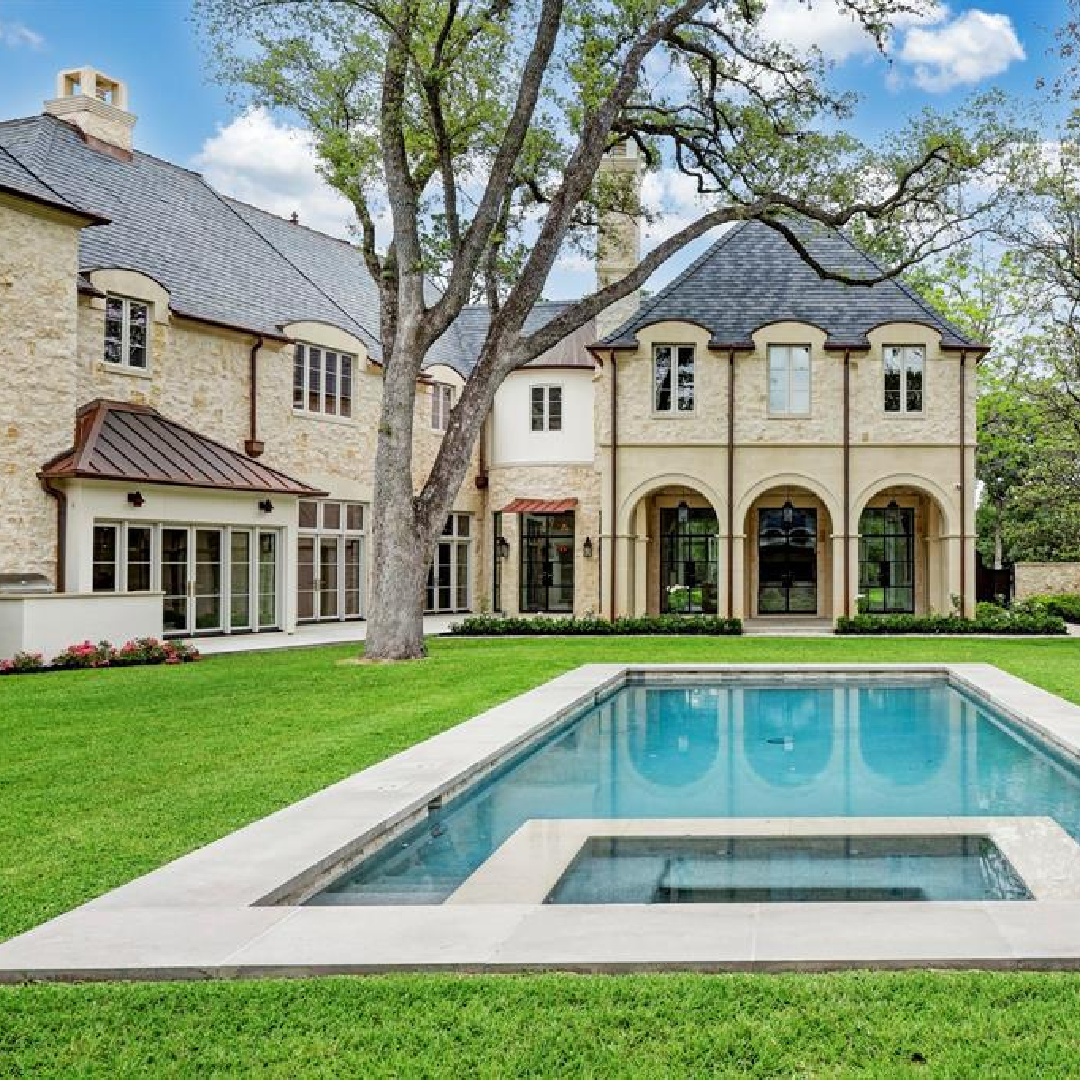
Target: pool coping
x=218 y=911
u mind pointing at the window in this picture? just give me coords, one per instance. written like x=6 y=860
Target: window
x=139 y=549
x=105 y=552
x=330 y=560
x=789 y=380
x=904 y=378
x=673 y=378
x=547 y=562
x=545 y=408
x=887 y=558
x=322 y=381
x=448 y=577
x=127 y=324
x=442 y=401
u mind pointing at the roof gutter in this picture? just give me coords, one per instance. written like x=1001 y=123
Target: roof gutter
x=253 y=445
x=61 y=529
x=614 y=478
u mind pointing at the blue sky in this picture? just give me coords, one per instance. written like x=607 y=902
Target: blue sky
x=183 y=116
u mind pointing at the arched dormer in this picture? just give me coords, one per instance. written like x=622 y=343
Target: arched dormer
x=327 y=362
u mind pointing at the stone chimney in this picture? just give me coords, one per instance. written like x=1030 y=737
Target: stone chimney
x=97 y=105
x=618 y=244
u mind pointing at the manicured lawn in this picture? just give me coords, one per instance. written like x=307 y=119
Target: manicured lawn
x=107 y=774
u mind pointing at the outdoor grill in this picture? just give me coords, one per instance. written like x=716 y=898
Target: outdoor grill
x=25 y=585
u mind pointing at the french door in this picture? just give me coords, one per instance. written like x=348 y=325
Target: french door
x=787 y=561
x=330 y=561
x=688 y=562
x=547 y=562
x=887 y=559
x=448 y=577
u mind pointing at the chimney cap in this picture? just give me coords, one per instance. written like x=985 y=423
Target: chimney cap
x=87 y=81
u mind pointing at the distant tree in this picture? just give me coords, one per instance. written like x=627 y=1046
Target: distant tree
x=481 y=125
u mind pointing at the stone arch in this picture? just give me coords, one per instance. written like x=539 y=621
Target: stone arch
x=922 y=484
x=792 y=480
x=655 y=484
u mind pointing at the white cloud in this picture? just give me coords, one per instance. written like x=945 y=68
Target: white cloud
x=271 y=165
x=16 y=35
x=974 y=46
x=801 y=25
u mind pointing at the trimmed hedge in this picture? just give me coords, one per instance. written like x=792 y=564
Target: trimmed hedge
x=543 y=625
x=1064 y=605
x=1007 y=623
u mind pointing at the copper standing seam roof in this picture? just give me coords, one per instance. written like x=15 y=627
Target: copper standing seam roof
x=539 y=506
x=117 y=440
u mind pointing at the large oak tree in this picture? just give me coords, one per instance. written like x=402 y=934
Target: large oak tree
x=479 y=127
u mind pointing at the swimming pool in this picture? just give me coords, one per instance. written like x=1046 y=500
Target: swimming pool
x=852 y=747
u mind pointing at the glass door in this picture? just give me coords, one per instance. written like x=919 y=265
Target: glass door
x=174 y=580
x=208 y=579
x=239 y=579
x=328 y=577
x=268 y=581
x=547 y=562
x=787 y=561
x=354 y=561
x=688 y=560
x=305 y=578
x=887 y=559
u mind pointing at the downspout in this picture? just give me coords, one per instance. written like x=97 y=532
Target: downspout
x=845 y=539
x=61 y=531
x=614 y=476
x=253 y=446
x=731 y=486
x=963 y=483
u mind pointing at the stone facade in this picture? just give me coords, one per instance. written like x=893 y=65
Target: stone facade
x=1039 y=579
x=38 y=343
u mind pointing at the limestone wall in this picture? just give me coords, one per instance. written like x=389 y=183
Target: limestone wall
x=38 y=262
x=1039 y=578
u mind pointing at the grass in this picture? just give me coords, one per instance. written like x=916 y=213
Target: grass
x=105 y=775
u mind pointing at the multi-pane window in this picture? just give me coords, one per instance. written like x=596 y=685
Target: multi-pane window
x=330 y=560
x=105 y=558
x=127 y=328
x=545 y=408
x=789 y=380
x=322 y=380
x=904 y=368
x=448 y=577
x=442 y=401
x=673 y=378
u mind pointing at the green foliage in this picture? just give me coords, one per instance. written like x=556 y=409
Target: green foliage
x=103 y=655
x=999 y=621
x=543 y=626
x=22 y=663
x=1064 y=605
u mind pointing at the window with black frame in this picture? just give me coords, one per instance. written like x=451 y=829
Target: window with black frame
x=547 y=562
x=688 y=560
x=887 y=559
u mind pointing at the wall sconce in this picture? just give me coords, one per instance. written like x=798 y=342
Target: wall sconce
x=135 y=498
x=586 y=548
x=266 y=506
x=502 y=547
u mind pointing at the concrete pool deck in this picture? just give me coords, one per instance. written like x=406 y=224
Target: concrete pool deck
x=230 y=909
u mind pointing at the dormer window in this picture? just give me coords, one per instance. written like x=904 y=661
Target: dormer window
x=789 y=380
x=442 y=401
x=322 y=380
x=127 y=332
x=904 y=366
x=673 y=378
x=545 y=408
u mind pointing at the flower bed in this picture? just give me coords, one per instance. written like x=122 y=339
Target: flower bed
x=502 y=626
x=88 y=655
x=1035 y=625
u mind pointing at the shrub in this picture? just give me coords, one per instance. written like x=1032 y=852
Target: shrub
x=22 y=662
x=1005 y=623
x=86 y=655
x=153 y=651
x=501 y=625
x=1064 y=605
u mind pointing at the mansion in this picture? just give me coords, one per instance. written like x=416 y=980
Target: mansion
x=191 y=392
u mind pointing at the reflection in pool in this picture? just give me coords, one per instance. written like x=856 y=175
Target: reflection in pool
x=736 y=749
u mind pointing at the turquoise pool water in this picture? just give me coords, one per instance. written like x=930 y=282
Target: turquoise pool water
x=737 y=749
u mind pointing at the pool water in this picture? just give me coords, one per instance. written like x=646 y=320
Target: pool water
x=736 y=749
x=635 y=870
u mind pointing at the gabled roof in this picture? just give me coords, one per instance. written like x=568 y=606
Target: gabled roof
x=571 y=352
x=116 y=440
x=752 y=277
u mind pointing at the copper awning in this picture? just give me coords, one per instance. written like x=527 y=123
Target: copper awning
x=118 y=440
x=539 y=506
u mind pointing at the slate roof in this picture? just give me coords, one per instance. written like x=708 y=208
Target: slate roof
x=117 y=440
x=17 y=179
x=752 y=276
x=573 y=351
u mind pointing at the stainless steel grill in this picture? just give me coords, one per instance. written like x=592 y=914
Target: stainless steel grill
x=25 y=585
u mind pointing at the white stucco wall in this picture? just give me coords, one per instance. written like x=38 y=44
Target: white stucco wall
x=513 y=442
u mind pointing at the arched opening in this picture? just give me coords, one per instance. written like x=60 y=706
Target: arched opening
x=674 y=563
x=788 y=563
x=904 y=558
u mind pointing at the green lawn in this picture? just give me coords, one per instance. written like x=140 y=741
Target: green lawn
x=107 y=774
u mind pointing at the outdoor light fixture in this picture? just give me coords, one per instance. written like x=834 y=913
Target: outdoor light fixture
x=136 y=498
x=893 y=506
x=502 y=547
x=266 y=506
x=586 y=548
x=684 y=512
x=789 y=511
